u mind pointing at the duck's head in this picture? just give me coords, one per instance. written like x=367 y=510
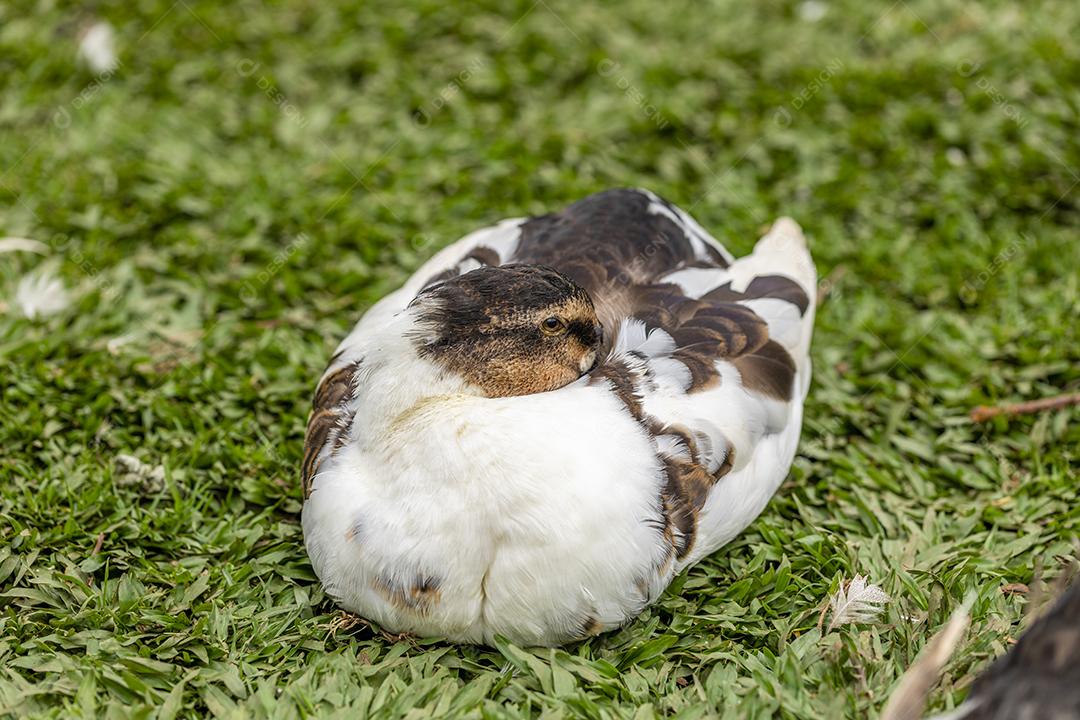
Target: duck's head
x=509 y=330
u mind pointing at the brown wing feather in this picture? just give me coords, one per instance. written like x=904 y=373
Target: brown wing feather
x=329 y=420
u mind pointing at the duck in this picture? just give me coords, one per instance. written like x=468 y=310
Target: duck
x=553 y=418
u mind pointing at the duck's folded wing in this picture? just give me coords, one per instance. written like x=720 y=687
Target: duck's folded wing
x=714 y=363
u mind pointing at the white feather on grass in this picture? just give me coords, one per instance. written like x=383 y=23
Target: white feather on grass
x=812 y=10
x=131 y=471
x=857 y=601
x=97 y=48
x=41 y=294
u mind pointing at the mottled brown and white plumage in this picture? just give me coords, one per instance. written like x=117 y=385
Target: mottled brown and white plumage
x=553 y=417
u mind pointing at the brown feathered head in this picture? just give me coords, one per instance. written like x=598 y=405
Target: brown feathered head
x=510 y=330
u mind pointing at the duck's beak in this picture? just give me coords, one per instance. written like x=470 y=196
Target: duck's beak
x=592 y=358
x=589 y=361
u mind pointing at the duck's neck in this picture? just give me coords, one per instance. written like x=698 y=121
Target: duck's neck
x=398 y=389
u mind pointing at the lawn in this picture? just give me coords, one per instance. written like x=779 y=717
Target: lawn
x=225 y=203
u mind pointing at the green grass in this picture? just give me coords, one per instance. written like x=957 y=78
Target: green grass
x=252 y=178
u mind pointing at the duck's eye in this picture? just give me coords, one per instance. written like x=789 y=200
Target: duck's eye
x=553 y=325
